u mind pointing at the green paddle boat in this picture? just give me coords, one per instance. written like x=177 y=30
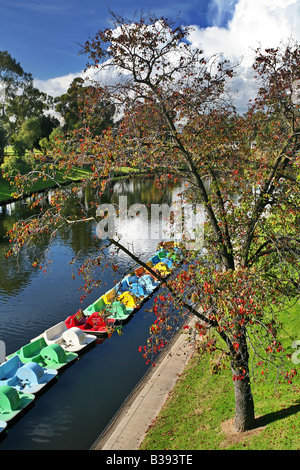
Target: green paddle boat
x=12 y=402
x=52 y=356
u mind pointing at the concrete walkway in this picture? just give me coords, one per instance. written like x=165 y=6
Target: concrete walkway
x=128 y=428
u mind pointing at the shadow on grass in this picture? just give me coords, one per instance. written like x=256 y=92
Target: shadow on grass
x=276 y=415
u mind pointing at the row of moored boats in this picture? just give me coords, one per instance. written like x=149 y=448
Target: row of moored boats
x=26 y=372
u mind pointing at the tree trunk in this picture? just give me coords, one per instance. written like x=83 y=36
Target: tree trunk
x=244 y=404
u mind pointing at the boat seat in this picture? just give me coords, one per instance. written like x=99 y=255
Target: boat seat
x=132 y=279
x=162 y=269
x=74 y=339
x=116 y=307
x=129 y=299
x=54 y=354
x=132 y=284
x=9 y=398
x=110 y=296
x=163 y=257
x=99 y=304
x=31 y=373
x=12 y=402
x=31 y=352
x=74 y=336
x=3 y=426
x=75 y=320
x=95 y=307
x=162 y=254
x=8 y=371
x=148 y=282
x=96 y=322
x=54 y=334
x=155 y=259
x=140 y=271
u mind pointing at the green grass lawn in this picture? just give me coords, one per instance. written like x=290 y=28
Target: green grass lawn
x=78 y=174
x=5 y=190
x=198 y=414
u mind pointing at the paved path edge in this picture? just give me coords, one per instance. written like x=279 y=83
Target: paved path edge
x=127 y=429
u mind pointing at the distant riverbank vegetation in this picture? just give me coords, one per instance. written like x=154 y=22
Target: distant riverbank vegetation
x=31 y=122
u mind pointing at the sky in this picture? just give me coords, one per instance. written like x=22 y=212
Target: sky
x=45 y=36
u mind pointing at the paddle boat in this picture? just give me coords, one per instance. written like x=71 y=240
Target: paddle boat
x=12 y=402
x=70 y=339
x=52 y=355
x=129 y=299
x=94 y=323
x=119 y=312
x=141 y=271
x=145 y=284
x=164 y=257
x=159 y=267
x=130 y=283
x=112 y=309
x=97 y=306
x=170 y=250
x=29 y=377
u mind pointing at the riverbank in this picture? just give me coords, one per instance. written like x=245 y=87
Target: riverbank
x=77 y=175
x=6 y=190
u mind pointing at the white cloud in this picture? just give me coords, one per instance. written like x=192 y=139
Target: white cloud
x=56 y=86
x=254 y=23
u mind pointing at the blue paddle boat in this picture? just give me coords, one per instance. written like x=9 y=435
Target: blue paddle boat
x=29 y=377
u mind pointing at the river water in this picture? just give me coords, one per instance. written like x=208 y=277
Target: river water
x=77 y=407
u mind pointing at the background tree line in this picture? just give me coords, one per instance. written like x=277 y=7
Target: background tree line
x=30 y=119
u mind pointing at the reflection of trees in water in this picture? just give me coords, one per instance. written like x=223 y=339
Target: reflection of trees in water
x=79 y=237
x=140 y=190
x=15 y=275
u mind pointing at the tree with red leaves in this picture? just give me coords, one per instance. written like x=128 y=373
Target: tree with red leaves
x=176 y=122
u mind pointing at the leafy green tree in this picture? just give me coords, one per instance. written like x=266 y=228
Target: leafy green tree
x=79 y=96
x=19 y=99
x=30 y=103
x=69 y=104
x=18 y=165
x=31 y=132
x=12 y=78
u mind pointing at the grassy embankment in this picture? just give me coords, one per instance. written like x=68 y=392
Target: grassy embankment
x=198 y=413
x=78 y=174
x=6 y=189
